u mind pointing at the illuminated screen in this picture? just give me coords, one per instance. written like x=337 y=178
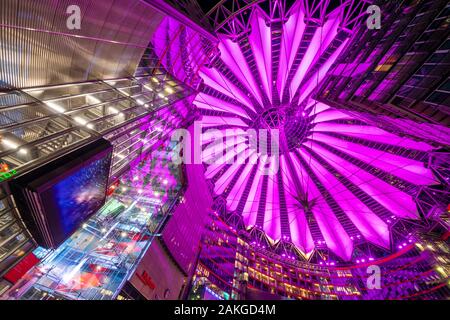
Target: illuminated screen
x=56 y=198
x=79 y=195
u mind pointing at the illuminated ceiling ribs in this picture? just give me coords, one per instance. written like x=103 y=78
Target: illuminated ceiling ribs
x=341 y=183
x=230 y=17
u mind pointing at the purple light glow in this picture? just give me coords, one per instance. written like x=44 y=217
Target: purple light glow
x=293 y=30
x=322 y=37
x=338 y=179
x=260 y=41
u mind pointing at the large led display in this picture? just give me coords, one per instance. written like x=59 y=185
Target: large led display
x=78 y=196
x=57 y=198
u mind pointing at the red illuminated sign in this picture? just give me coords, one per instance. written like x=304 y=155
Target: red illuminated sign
x=21 y=268
x=146 y=279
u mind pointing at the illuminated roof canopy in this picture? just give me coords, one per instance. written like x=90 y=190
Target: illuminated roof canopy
x=341 y=182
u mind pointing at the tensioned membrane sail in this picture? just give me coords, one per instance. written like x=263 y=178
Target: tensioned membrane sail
x=337 y=178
